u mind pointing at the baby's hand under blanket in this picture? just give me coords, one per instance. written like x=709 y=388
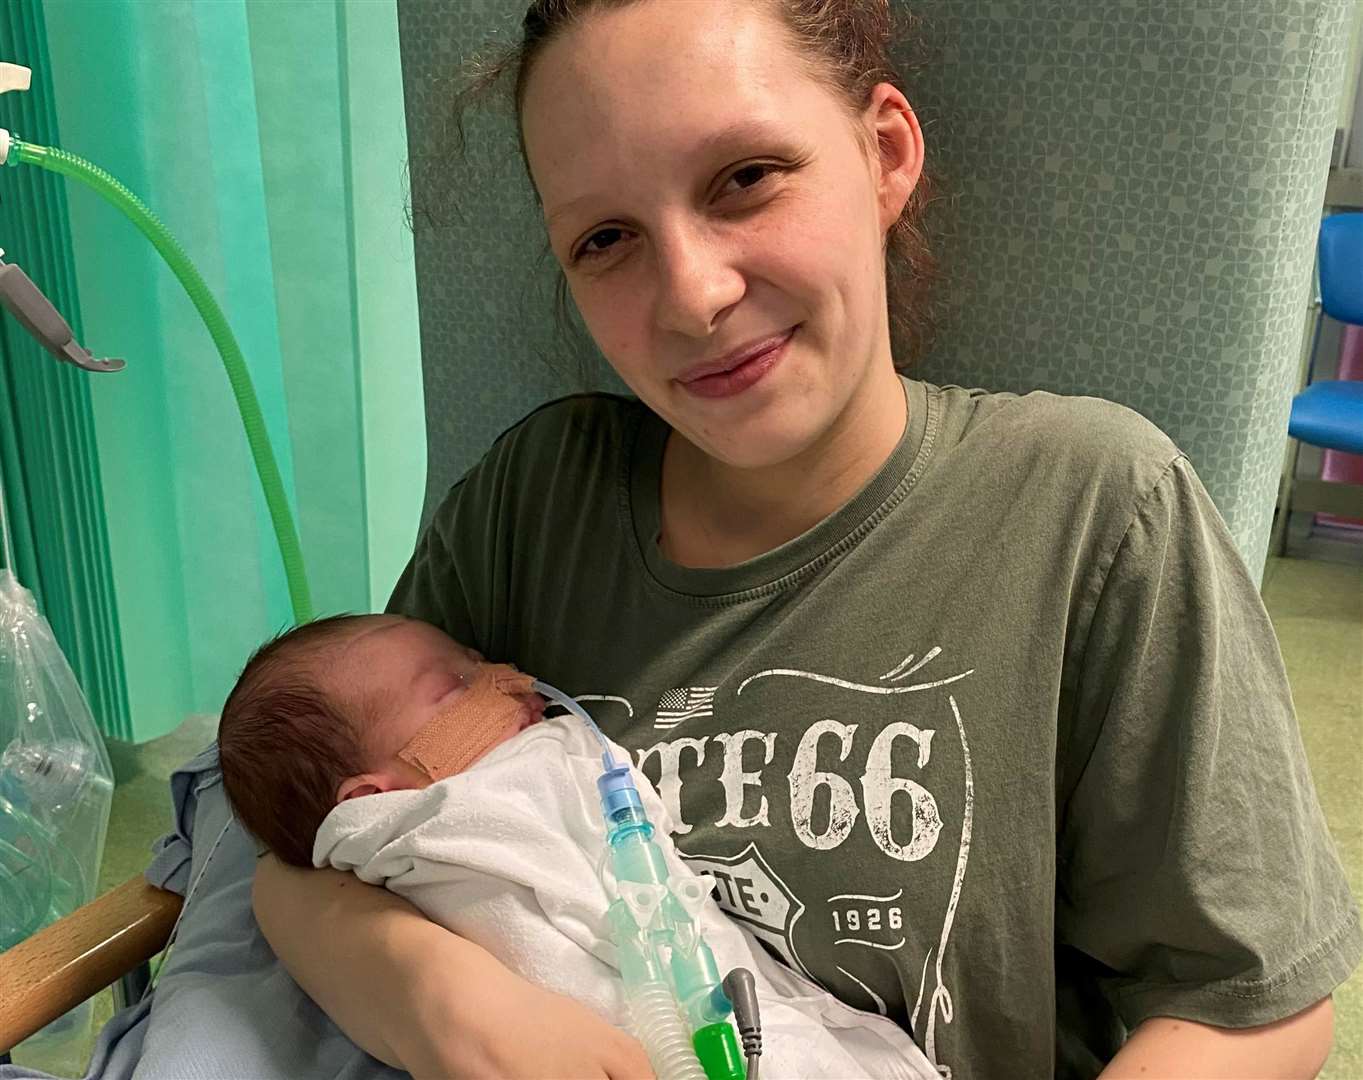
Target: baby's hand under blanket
x=510 y=1028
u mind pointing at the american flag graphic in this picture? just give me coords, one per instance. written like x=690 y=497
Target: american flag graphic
x=685 y=703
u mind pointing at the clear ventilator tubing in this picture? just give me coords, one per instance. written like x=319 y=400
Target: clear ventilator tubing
x=257 y=437
x=554 y=694
x=678 y=1010
x=664 y=1036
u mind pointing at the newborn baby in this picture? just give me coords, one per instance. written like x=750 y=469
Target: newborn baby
x=379 y=745
x=357 y=705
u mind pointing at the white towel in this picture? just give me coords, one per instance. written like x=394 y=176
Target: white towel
x=507 y=854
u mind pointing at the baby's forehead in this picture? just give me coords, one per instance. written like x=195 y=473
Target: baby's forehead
x=398 y=645
x=365 y=649
x=368 y=629
x=393 y=635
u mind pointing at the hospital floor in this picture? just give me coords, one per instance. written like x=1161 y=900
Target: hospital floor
x=1317 y=609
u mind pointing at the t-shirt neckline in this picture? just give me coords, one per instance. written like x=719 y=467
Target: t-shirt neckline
x=785 y=565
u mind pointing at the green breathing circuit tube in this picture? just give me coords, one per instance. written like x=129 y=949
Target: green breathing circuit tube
x=286 y=532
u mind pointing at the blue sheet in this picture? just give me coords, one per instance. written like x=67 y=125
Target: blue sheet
x=223 y=1006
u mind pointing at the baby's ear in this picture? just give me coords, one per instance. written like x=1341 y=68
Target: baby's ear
x=388 y=778
x=365 y=784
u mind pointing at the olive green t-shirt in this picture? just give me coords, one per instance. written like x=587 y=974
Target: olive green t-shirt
x=1002 y=749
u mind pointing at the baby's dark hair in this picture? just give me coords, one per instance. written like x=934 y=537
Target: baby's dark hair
x=288 y=738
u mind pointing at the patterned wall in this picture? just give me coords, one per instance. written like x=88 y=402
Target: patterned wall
x=1133 y=193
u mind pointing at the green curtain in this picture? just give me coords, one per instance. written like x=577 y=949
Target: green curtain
x=270 y=139
x=49 y=475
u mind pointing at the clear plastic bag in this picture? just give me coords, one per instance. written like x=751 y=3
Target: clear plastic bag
x=56 y=783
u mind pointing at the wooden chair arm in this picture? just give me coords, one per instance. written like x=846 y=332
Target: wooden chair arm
x=78 y=956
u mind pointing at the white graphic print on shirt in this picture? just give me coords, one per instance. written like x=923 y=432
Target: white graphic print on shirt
x=684 y=703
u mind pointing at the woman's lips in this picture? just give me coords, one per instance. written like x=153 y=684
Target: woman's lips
x=735 y=380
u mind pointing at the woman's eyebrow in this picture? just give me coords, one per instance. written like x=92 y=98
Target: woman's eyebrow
x=742 y=132
x=730 y=136
x=566 y=208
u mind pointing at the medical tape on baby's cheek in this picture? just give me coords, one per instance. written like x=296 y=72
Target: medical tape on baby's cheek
x=477 y=720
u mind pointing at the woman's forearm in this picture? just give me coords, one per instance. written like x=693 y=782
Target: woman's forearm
x=1289 y=1049
x=420 y=998
x=363 y=954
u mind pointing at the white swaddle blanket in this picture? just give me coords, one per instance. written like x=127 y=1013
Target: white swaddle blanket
x=507 y=854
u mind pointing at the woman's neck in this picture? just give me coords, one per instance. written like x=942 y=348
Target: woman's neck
x=716 y=515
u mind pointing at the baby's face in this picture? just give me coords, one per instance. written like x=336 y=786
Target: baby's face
x=408 y=673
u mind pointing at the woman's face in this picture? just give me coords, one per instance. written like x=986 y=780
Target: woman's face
x=720 y=223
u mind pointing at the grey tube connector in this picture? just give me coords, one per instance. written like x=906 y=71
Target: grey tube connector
x=741 y=989
x=26 y=302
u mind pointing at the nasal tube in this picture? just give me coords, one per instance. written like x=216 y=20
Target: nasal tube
x=557 y=696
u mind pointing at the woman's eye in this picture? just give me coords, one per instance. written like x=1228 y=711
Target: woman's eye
x=600 y=242
x=749 y=176
x=608 y=241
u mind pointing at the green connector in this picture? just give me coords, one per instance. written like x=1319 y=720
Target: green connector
x=716 y=1046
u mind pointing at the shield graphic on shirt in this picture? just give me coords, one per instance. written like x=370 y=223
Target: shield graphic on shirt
x=751 y=892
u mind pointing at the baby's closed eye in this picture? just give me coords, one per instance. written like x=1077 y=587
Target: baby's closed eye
x=441 y=685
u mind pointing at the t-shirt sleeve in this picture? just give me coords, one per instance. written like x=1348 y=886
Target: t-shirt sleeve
x=431 y=587
x=1194 y=866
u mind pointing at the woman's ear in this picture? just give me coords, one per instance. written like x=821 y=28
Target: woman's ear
x=899 y=142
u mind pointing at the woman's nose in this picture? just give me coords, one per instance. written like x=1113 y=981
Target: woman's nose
x=696 y=284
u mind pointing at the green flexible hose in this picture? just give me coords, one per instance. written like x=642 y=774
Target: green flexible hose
x=286 y=533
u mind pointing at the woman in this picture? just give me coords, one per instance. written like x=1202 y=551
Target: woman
x=965 y=699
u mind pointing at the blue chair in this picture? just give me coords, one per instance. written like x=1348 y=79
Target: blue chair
x=1329 y=413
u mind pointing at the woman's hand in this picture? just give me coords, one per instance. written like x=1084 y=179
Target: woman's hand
x=419 y=998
